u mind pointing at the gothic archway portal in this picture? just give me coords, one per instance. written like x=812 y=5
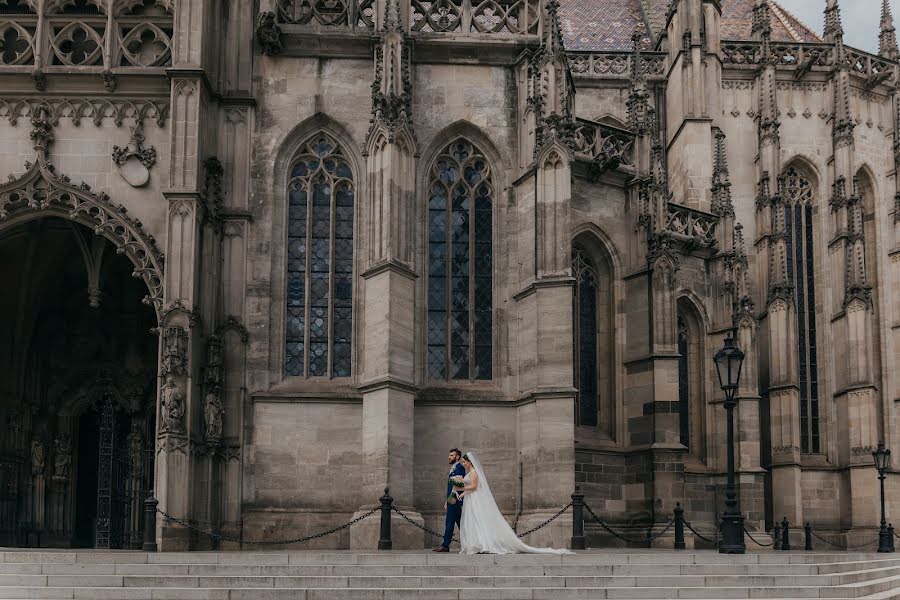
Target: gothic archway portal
x=78 y=368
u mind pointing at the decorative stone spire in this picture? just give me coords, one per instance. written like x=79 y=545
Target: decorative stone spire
x=552 y=84
x=834 y=29
x=391 y=89
x=721 y=181
x=887 y=37
x=638 y=106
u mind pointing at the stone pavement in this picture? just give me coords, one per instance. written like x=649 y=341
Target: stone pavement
x=597 y=574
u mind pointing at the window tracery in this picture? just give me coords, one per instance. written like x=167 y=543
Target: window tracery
x=75 y=33
x=684 y=386
x=460 y=265
x=320 y=261
x=798 y=212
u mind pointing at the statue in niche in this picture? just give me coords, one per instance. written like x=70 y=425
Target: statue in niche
x=38 y=460
x=62 y=457
x=213 y=412
x=172 y=402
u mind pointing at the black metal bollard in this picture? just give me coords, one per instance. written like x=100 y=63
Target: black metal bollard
x=384 y=540
x=578 y=541
x=150 y=505
x=891 y=533
x=679 y=527
x=786 y=535
x=776 y=534
x=807 y=534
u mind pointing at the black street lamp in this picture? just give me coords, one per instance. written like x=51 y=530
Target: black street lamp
x=882 y=455
x=729 y=361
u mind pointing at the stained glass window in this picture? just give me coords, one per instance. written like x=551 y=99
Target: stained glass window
x=319 y=321
x=586 y=338
x=798 y=196
x=460 y=265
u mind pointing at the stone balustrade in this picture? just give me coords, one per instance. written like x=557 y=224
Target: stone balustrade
x=692 y=224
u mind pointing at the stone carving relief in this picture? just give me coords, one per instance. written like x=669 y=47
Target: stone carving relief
x=62 y=457
x=38 y=458
x=78 y=109
x=135 y=160
x=213 y=411
x=174 y=350
x=172 y=404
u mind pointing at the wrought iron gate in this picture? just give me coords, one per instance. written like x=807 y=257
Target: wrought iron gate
x=125 y=478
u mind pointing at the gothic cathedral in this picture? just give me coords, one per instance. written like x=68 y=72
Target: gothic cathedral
x=264 y=258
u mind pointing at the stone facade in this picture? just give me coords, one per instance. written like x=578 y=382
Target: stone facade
x=371 y=230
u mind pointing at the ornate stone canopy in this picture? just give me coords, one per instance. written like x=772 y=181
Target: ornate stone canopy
x=42 y=192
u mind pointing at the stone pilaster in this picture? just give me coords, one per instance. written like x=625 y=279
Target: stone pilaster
x=388 y=370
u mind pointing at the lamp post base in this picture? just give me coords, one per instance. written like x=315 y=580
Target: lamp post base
x=884 y=539
x=732 y=535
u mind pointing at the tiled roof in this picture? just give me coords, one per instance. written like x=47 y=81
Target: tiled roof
x=608 y=24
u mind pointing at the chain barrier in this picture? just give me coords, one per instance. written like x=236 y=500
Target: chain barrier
x=651 y=538
x=701 y=536
x=547 y=522
x=838 y=546
x=422 y=527
x=622 y=537
x=757 y=542
x=219 y=537
x=897 y=535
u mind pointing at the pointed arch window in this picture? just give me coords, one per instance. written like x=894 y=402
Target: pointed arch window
x=586 y=338
x=460 y=265
x=684 y=383
x=798 y=213
x=320 y=261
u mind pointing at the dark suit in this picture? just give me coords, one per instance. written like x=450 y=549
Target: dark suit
x=454 y=511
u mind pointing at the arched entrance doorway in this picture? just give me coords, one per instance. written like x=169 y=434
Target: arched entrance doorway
x=78 y=368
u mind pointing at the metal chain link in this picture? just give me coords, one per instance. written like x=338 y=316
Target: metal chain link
x=821 y=539
x=547 y=522
x=422 y=527
x=757 y=542
x=613 y=533
x=218 y=537
x=650 y=538
x=701 y=536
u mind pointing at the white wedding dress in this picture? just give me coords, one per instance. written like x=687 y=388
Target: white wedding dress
x=483 y=528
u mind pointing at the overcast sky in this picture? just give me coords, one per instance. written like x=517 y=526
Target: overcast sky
x=861 y=18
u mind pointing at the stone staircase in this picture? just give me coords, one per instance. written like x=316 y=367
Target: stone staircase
x=336 y=575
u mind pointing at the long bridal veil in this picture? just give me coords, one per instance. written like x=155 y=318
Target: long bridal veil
x=483 y=528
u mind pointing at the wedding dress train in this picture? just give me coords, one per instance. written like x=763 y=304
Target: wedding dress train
x=483 y=528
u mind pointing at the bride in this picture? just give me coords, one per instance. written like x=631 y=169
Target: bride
x=482 y=528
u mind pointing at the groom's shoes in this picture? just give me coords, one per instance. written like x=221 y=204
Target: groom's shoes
x=441 y=549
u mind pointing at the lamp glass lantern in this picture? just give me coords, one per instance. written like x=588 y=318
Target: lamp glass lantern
x=881 y=455
x=729 y=363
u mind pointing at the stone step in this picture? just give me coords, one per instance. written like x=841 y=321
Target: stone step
x=667 y=557
x=581 y=580
x=489 y=569
x=92 y=593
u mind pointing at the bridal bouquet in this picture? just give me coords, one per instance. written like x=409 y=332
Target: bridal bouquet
x=457 y=481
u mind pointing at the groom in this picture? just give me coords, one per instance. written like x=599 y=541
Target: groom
x=453 y=504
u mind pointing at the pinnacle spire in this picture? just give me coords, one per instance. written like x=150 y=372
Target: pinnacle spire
x=553 y=40
x=391 y=17
x=721 y=181
x=887 y=36
x=834 y=28
x=638 y=107
x=762 y=23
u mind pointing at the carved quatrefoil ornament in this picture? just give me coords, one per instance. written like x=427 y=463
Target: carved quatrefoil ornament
x=134 y=160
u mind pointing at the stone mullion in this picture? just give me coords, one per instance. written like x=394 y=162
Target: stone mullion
x=307 y=277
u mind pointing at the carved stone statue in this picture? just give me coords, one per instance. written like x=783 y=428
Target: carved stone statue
x=38 y=460
x=172 y=403
x=62 y=457
x=268 y=33
x=212 y=415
